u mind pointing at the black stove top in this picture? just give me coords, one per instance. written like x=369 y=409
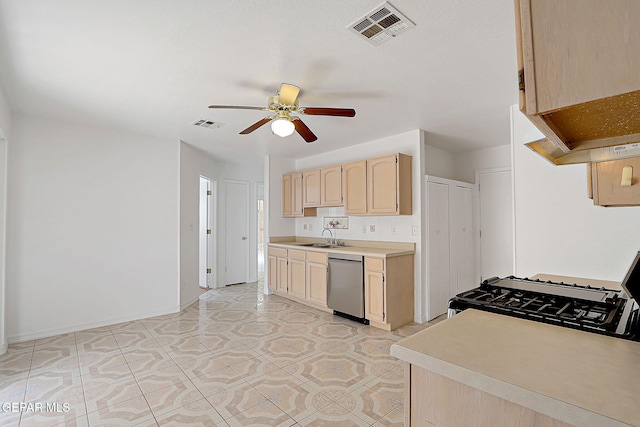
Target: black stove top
x=599 y=310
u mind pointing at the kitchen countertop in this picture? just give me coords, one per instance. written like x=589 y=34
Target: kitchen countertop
x=578 y=377
x=366 y=248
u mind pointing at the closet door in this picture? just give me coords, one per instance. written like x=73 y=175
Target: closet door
x=462 y=245
x=438 y=271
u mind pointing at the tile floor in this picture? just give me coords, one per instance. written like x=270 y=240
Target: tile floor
x=235 y=358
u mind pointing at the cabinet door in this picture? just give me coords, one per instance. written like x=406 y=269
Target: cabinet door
x=331 y=186
x=606 y=177
x=296 y=194
x=595 y=99
x=283 y=275
x=311 y=184
x=317 y=283
x=382 y=185
x=462 y=254
x=286 y=195
x=354 y=187
x=297 y=278
x=374 y=289
x=273 y=272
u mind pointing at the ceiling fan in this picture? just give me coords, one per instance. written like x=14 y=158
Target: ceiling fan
x=283 y=123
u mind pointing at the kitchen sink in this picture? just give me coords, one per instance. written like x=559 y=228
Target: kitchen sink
x=320 y=245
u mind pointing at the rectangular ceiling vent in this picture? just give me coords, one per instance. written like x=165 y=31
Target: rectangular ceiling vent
x=381 y=24
x=207 y=124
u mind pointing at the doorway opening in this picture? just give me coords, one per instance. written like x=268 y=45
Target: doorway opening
x=260 y=238
x=206 y=233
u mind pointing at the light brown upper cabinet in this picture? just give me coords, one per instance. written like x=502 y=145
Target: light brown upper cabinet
x=389 y=185
x=578 y=71
x=292 y=193
x=331 y=186
x=354 y=187
x=311 y=185
x=606 y=180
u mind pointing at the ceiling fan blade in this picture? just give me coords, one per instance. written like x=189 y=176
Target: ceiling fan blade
x=256 y=125
x=304 y=131
x=237 y=107
x=288 y=93
x=319 y=111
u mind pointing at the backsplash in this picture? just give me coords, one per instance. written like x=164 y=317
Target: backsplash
x=383 y=228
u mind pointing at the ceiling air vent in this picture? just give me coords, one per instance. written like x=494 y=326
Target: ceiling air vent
x=381 y=24
x=207 y=124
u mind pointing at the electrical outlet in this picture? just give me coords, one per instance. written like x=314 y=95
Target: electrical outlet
x=364 y=229
x=414 y=230
x=393 y=229
x=305 y=226
x=372 y=228
x=310 y=227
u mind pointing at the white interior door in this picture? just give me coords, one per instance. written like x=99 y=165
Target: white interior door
x=438 y=280
x=236 y=231
x=463 y=275
x=496 y=223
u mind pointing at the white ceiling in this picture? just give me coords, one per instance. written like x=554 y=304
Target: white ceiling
x=153 y=66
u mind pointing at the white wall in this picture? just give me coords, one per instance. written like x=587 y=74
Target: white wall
x=438 y=162
x=411 y=143
x=193 y=164
x=467 y=163
x=558 y=230
x=92 y=227
x=5 y=123
x=252 y=171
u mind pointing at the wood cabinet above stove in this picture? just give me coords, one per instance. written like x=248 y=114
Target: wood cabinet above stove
x=579 y=73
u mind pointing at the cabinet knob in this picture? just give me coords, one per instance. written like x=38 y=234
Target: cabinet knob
x=244 y=238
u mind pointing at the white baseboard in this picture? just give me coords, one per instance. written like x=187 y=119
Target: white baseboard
x=46 y=333
x=3 y=348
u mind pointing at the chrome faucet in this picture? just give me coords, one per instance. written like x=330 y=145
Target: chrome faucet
x=331 y=240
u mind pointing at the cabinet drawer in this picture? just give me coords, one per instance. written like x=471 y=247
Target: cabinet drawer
x=374 y=264
x=279 y=252
x=317 y=257
x=297 y=254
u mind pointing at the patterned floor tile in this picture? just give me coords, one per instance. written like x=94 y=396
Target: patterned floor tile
x=146 y=360
x=235 y=400
x=58 y=341
x=218 y=381
x=53 y=386
x=128 y=413
x=15 y=363
x=234 y=357
x=333 y=415
x=156 y=380
x=264 y=414
x=196 y=414
x=173 y=397
x=110 y=394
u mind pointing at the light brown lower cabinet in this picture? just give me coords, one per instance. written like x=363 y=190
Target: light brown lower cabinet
x=388 y=291
x=297 y=274
x=317 y=278
x=278 y=269
x=434 y=400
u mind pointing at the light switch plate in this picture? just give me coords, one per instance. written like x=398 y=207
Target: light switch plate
x=340 y=222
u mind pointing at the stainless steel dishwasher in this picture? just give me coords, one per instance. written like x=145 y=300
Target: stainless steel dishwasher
x=345 y=286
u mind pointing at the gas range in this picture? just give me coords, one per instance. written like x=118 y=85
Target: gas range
x=605 y=311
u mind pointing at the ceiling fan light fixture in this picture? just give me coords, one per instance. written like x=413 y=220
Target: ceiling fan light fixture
x=282 y=127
